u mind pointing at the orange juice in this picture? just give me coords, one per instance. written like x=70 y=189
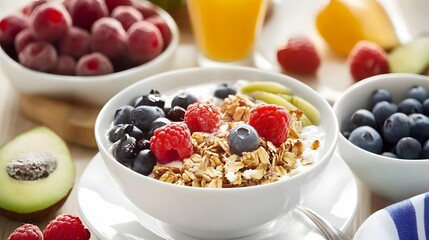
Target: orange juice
x=225 y=30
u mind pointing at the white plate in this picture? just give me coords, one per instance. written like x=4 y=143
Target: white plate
x=109 y=215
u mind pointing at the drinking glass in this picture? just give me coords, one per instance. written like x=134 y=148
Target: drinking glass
x=225 y=30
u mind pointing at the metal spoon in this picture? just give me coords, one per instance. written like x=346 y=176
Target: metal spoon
x=328 y=230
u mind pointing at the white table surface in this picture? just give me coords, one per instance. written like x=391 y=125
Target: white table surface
x=332 y=78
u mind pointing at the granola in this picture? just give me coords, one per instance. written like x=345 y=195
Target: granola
x=212 y=164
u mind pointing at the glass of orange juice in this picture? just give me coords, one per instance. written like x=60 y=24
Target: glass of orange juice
x=225 y=30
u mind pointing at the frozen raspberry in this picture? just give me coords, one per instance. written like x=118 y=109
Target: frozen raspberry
x=202 y=117
x=75 y=43
x=271 y=122
x=144 y=42
x=163 y=27
x=367 y=59
x=113 y=4
x=108 y=37
x=27 y=232
x=40 y=56
x=127 y=16
x=145 y=7
x=10 y=26
x=65 y=65
x=93 y=64
x=299 y=56
x=171 y=142
x=85 y=12
x=66 y=227
x=23 y=39
x=49 y=22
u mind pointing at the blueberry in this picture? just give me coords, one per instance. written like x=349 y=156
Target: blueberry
x=396 y=127
x=419 y=127
x=382 y=110
x=381 y=95
x=408 y=148
x=425 y=150
x=154 y=98
x=144 y=162
x=142 y=144
x=159 y=122
x=143 y=116
x=183 y=100
x=409 y=106
x=243 y=138
x=117 y=132
x=223 y=90
x=136 y=133
x=362 y=117
x=426 y=107
x=176 y=113
x=367 y=138
x=124 y=150
x=418 y=92
x=122 y=115
x=389 y=154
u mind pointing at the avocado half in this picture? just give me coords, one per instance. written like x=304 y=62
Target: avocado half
x=36 y=175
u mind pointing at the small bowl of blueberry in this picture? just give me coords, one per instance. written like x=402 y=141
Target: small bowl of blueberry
x=85 y=50
x=384 y=124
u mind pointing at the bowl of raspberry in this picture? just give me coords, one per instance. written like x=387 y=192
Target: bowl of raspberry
x=384 y=124
x=85 y=50
x=217 y=152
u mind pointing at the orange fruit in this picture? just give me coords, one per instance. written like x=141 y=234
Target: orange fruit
x=342 y=23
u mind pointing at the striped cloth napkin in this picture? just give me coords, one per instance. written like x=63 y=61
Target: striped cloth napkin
x=405 y=220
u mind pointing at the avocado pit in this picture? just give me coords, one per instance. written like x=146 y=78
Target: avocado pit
x=31 y=166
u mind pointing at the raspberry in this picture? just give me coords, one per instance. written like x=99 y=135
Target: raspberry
x=27 y=232
x=367 y=59
x=299 y=56
x=171 y=142
x=202 y=117
x=271 y=122
x=66 y=227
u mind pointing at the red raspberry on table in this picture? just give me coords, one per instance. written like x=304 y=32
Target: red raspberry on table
x=367 y=59
x=202 y=117
x=271 y=122
x=27 y=232
x=171 y=142
x=66 y=227
x=299 y=56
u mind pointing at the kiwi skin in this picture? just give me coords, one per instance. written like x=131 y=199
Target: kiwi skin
x=37 y=216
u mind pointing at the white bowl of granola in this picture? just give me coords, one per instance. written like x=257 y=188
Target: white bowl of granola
x=214 y=191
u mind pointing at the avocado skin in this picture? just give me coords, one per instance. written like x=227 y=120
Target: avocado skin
x=34 y=217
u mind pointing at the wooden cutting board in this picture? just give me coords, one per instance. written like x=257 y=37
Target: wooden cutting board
x=73 y=122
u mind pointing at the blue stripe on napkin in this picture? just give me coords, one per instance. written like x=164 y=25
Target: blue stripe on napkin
x=426 y=215
x=403 y=215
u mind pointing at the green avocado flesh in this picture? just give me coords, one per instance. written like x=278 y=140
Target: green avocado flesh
x=28 y=196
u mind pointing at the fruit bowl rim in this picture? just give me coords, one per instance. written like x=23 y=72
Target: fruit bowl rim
x=105 y=150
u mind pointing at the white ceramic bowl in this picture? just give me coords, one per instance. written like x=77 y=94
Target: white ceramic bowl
x=94 y=90
x=205 y=212
x=394 y=179
x=407 y=219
